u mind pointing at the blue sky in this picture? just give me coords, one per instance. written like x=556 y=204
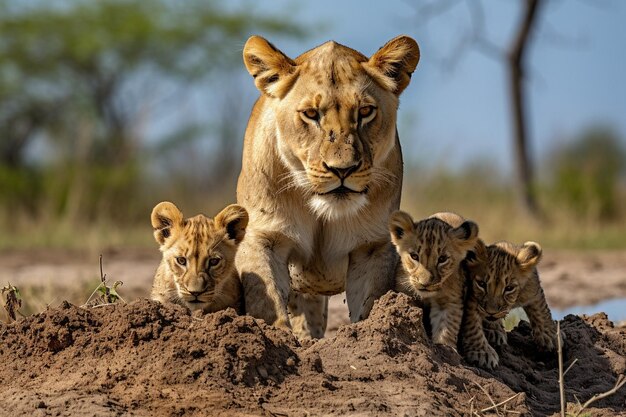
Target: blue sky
x=455 y=116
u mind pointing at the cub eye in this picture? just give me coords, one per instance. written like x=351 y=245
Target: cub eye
x=482 y=285
x=366 y=111
x=214 y=261
x=311 y=114
x=443 y=259
x=509 y=288
x=415 y=256
x=181 y=260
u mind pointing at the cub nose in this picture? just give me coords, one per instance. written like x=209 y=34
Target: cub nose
x=343 y=172
x=196 y=286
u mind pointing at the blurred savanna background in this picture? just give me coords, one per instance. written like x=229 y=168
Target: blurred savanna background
x=515 y=118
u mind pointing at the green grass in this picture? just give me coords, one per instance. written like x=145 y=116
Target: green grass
x=479 y=196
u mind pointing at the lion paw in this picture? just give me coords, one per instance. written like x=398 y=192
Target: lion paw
x=496 y=337
x=547 y=340
x=487 y=358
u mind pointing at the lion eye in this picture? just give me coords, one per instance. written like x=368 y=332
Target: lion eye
x=214 y=261
x=366 y=111
x=311 y=114
x=415 y=256
x=482 y=285
x=181 y=260
x=509 y=288
x=443 y=259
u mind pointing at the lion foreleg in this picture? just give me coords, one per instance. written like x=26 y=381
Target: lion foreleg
x=308 y=314
x=262 y=265
x=370 y=275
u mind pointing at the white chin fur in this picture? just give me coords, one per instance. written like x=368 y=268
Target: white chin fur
x=330 y=207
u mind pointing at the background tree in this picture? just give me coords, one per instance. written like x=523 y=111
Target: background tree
x=586 y=174
x=83 y=75
x=514 y=57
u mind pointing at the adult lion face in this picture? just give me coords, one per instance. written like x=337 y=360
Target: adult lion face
x=335 y=112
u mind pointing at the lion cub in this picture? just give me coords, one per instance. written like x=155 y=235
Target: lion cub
x=197 y=269
x=431 y=252
x=503 y=276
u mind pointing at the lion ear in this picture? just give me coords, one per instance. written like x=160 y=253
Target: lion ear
x=165 y=218
x=274 y=72
x=233 y=220
x=400 y=225
x=529 y=255
x=393 y=64
x=465 y=235
x=476 y=258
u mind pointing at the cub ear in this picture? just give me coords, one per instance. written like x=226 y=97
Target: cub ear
x=274 y=72
x=165 y=217
x=476 y=258
x=452 y=219
x=392 y=65
x=465 y=235
x=529 y=255
x=400 y=224
x=233 y=220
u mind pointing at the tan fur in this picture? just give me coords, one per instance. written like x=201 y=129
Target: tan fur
x=324 y=120
x=198 y=265
x=431 y=252
x=504 y=276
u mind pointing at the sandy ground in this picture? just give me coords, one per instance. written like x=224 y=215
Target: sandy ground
x=144 y=358
x=149 y=359
x=570 y=278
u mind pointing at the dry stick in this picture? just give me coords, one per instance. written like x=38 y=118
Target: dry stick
x=103 y=280
x=471 y=401
x=500 y=403
x=561 y=374
x=621 y=380
x=495 y=406
x=570 y=366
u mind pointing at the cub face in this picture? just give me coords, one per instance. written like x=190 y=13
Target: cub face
x=336 y=116
x=198 y=252
x=499 y=279
x=430 y=250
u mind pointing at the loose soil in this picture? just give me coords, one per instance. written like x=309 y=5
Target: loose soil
x=148 y=359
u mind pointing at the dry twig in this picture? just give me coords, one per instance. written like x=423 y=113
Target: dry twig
x=559 y=344
x=621 y=380
x=493 y=403
x=501 y=403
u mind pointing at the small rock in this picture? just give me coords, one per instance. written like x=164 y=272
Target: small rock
x=262 y=372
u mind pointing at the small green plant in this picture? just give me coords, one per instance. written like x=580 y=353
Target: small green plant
x=12 y=301
x=106 y=295
x=513 y=318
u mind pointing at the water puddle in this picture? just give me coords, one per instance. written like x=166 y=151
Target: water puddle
x=615 y=309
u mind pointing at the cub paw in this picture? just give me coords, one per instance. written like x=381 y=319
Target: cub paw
x=546 y=340
x=496 y=337
x=487 y=358
x=446 y=339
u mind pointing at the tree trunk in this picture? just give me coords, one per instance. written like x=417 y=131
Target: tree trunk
x=516 y=70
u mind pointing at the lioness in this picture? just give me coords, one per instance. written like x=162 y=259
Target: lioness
x=321 y=173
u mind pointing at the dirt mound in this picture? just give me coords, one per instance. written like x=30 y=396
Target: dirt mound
x=148 y=359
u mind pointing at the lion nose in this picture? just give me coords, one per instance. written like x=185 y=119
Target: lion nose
x=196 y=293
x=344 y=172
